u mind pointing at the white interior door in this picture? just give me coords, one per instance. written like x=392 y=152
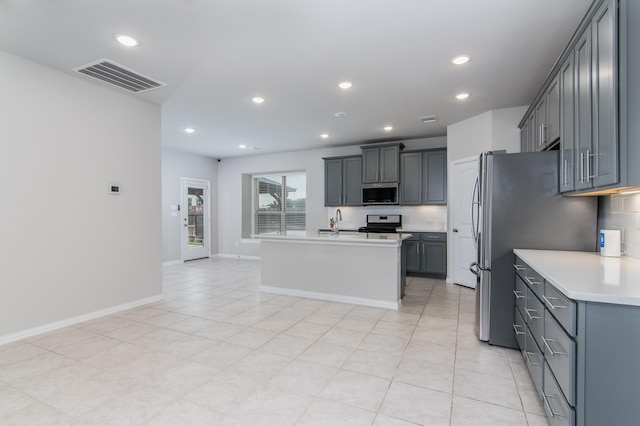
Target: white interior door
x=463 y=175
x=196 y=219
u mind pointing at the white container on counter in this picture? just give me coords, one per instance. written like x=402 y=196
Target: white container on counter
x=610 y=242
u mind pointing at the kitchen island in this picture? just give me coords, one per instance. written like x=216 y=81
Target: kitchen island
x=358 y=268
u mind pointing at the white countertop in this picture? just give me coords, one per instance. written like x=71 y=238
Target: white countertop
x=422 y=228
x=341 y=237
x=588 y=276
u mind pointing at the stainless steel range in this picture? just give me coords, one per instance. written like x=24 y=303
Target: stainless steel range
x=388 y=224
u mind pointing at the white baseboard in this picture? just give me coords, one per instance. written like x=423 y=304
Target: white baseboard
x=331 y=297
x=172 y=262
x=8 y=338
x=236 y=256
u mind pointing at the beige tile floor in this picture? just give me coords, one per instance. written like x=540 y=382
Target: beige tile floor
x=217 y=351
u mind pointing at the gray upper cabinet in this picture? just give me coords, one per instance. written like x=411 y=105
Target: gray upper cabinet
x=596 y=84
x=381 y=164
x=605 y=100
x=411 y=178
x=423 y=177
x=332 y=181
x=583 y=111
x=540 y=131
x=552 y=131
x=434 y=175
x=342 y=181
x=567 y=124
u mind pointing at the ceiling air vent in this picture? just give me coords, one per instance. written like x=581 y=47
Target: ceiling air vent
x=429 y=119
x=118 y=75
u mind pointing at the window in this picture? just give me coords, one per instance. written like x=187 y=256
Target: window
x=280 y=203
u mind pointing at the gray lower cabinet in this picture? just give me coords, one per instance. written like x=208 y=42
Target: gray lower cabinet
x=427 y=254
x=582 y=356
x=423 y=179
x=342 y=181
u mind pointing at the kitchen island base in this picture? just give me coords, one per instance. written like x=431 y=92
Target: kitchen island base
x=354 y=270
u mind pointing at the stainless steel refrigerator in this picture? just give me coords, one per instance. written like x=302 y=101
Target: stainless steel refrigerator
x=517 y=205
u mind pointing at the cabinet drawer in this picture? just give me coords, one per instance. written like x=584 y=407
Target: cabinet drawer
x=520 y=293
x=520 y=327
x=521 y=267
x=534 y=316
x=535 y=282
x=534 y=359
x=563 y=308
x=433 y=236
x=559 y=412
x=533 y=279
x=560 y=354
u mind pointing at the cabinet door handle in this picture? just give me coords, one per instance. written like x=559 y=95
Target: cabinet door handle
x=589 y=166
x=532 y=317
x=519 y=267
x=546 y=402
x=528 y=355
x=551 y=305
x=515 y=328
x=582 y=167
x=564 y=172
x=518 y=294
x=551 y=351
x=531 y=282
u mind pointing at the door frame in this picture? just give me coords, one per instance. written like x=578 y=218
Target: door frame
x=185 y=212
x=451 y=248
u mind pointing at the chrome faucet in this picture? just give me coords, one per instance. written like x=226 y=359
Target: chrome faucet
x=338 y=219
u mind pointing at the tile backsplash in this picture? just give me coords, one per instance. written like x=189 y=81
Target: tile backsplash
x=622 y=212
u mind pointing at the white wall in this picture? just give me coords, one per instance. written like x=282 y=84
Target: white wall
x=68 y=247
x=622 y=212
x=492 y=130
x=230 y=173
x=176 y=165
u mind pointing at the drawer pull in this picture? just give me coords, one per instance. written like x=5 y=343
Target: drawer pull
x=528 y=355
x=551 y=305
x=531 y=282
x=435 y=237
x=546 y=397
x=515 y=328
x=551 y=351
x=519 y=267
x=518 y=294
x=532 y=317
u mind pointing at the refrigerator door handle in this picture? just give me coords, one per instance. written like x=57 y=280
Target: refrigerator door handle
x=475 y=211
x=475 y=269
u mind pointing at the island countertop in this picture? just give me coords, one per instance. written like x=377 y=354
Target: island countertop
x=588 y=276
x=346 y=238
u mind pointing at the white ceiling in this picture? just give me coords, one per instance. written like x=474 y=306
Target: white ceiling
x=215 y=55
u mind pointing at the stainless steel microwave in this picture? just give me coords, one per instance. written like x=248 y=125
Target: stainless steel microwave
x=380 y=193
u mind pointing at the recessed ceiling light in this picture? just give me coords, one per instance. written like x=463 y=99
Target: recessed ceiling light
x=345 y=85
x=340 y=114
x=126 y=40
x=460 y=59
x=258 y=100
x=190 y=130
x=462 y=96
x=324 y=135
x=388 y=128
x=242 y=146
